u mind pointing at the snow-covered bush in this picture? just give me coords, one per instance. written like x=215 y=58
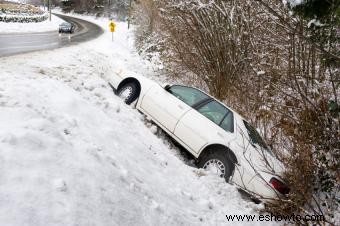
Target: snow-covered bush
x=21 y=13
x=147 y=39
x=117 y=8
x=23 y=19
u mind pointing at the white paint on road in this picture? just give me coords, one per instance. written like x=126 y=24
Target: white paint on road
x=30 y=46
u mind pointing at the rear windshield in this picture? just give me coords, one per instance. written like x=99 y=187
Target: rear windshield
x=255 y=137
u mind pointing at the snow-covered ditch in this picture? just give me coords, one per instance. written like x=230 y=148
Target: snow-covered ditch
x=71 y=153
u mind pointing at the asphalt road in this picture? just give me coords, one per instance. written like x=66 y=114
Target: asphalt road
x=11 y=44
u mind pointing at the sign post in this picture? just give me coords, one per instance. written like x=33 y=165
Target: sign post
x=129 y=16
x=49 y=9
x=112 y=27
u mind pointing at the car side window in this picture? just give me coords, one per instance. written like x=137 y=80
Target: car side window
x=188 y=95
x=213 y=111
x=228 y=122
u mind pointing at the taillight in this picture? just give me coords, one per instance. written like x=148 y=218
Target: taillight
x=279 y=186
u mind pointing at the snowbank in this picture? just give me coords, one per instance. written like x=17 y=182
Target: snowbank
x=71 y=153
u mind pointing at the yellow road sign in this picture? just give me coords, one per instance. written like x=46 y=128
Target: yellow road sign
x=112 y=26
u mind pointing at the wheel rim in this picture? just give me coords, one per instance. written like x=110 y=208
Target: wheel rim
x=125 y=93
x=216 y=166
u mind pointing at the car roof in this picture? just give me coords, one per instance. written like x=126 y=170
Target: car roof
x=65 y=23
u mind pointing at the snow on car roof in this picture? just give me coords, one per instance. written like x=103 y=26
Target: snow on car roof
x=65 y=24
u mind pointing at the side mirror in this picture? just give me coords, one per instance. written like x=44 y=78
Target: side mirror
x=166 y=86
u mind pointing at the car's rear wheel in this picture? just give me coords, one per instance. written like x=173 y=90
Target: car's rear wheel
x=217 y=162
x=128 y=92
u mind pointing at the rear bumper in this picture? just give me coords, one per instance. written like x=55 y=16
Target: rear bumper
x=65 y=31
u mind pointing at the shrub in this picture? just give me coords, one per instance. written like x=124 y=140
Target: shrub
x=21 y=13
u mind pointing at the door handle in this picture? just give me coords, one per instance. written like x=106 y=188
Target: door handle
x=220 y=134
x=180 y=106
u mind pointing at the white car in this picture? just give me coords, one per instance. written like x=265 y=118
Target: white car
x=218 y=137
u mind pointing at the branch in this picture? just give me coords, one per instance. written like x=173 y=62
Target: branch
x=293 y=30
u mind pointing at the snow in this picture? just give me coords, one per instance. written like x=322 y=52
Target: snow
x=72 y=153
x=20 y=1
x=294 y=3
x=260 y=72
x=44 y=26
x=314 y=22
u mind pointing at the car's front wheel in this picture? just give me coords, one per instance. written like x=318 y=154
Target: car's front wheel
x=217 y=162
x=128 y=92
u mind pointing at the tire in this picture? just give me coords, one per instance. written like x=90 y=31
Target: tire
x=128 y=92
x=218 y=159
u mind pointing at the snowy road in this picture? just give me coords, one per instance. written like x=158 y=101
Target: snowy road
x=11 y=44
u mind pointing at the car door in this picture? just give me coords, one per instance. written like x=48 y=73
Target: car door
x=167 y=106
x=209 y=123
